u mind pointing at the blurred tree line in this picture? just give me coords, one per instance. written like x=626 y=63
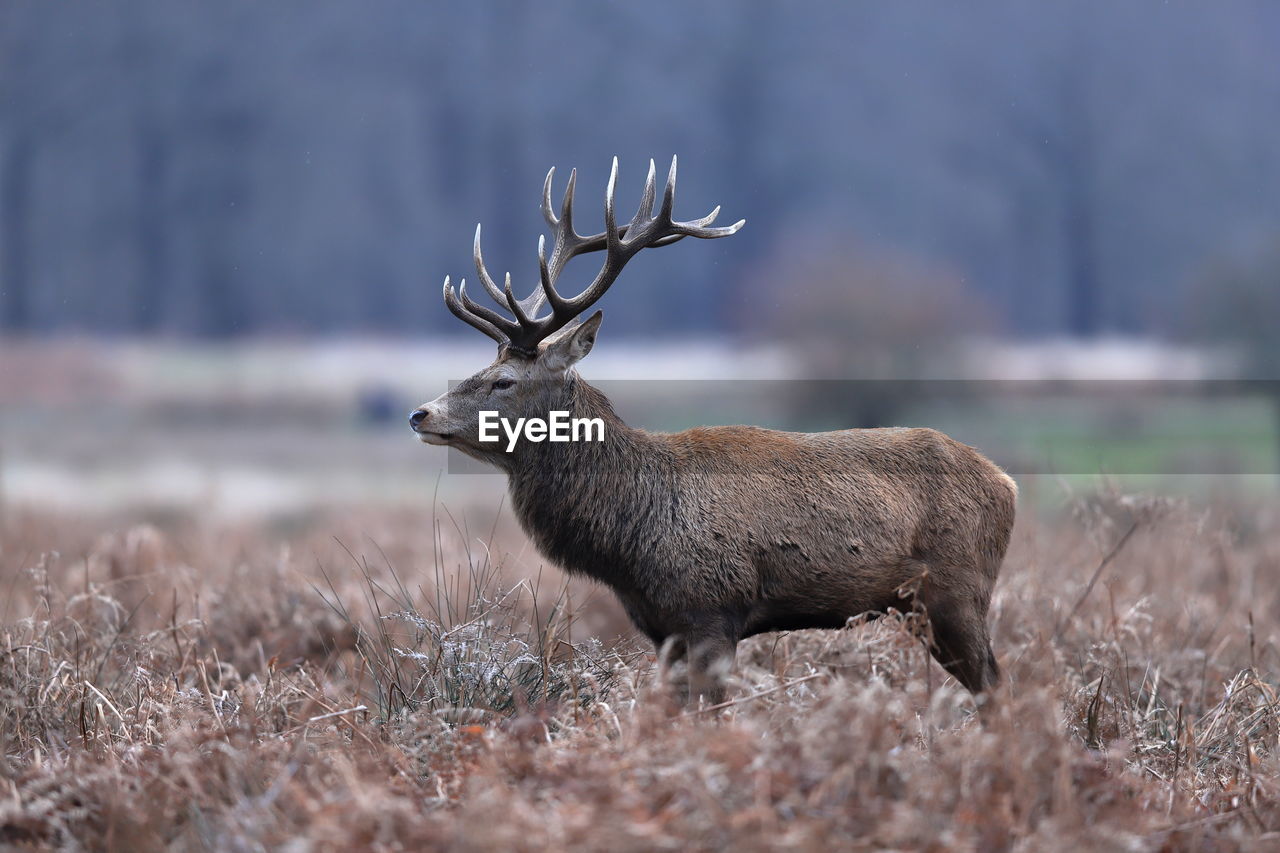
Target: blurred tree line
x=237 y=167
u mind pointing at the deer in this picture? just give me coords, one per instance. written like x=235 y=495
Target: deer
x=719 y=533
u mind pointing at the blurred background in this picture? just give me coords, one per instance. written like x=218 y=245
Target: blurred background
x=1052 y=230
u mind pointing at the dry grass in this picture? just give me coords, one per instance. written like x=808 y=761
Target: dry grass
x=197 y=686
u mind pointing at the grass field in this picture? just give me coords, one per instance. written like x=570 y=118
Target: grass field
x=386 y=679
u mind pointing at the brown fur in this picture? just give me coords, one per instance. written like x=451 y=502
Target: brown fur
x=718 y=533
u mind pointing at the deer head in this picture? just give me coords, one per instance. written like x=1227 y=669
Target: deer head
x=536 y=354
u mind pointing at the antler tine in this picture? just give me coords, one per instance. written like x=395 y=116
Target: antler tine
x=490 y=286
x=451 y=301
x=669 y=193
x=568 y=242
x=566 y=210
x=547 y=280
x=515 y=306
x=646 y=201
x=697 y=227
x=490 y=316
x=547 y=213
x=611 y=235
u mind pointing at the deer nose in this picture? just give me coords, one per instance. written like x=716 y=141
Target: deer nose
x=416 y=417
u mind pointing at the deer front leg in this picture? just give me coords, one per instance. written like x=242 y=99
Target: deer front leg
x=711 y=646
x=671 y=654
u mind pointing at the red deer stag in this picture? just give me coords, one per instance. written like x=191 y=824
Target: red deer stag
x=718 y=533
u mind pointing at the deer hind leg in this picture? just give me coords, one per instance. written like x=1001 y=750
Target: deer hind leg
x=961 y=645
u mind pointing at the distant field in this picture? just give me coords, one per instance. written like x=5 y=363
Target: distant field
x=256 y=428
x=288 y=427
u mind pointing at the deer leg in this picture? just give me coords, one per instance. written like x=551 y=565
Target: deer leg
x=711 y=655
x=671 y=651
x=962 y=647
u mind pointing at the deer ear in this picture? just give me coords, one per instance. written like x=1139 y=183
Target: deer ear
x=572 y=345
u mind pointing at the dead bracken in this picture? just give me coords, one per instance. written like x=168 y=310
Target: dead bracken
x=180 y=686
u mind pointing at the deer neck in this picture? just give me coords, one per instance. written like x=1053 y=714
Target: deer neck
x=538 y=465
x=580 y=501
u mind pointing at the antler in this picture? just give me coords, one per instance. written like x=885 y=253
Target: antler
x=647 y=228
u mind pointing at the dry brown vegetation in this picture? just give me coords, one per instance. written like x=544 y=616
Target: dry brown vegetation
x=377 y=681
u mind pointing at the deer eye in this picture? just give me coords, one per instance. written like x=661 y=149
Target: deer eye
x=502 y=384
